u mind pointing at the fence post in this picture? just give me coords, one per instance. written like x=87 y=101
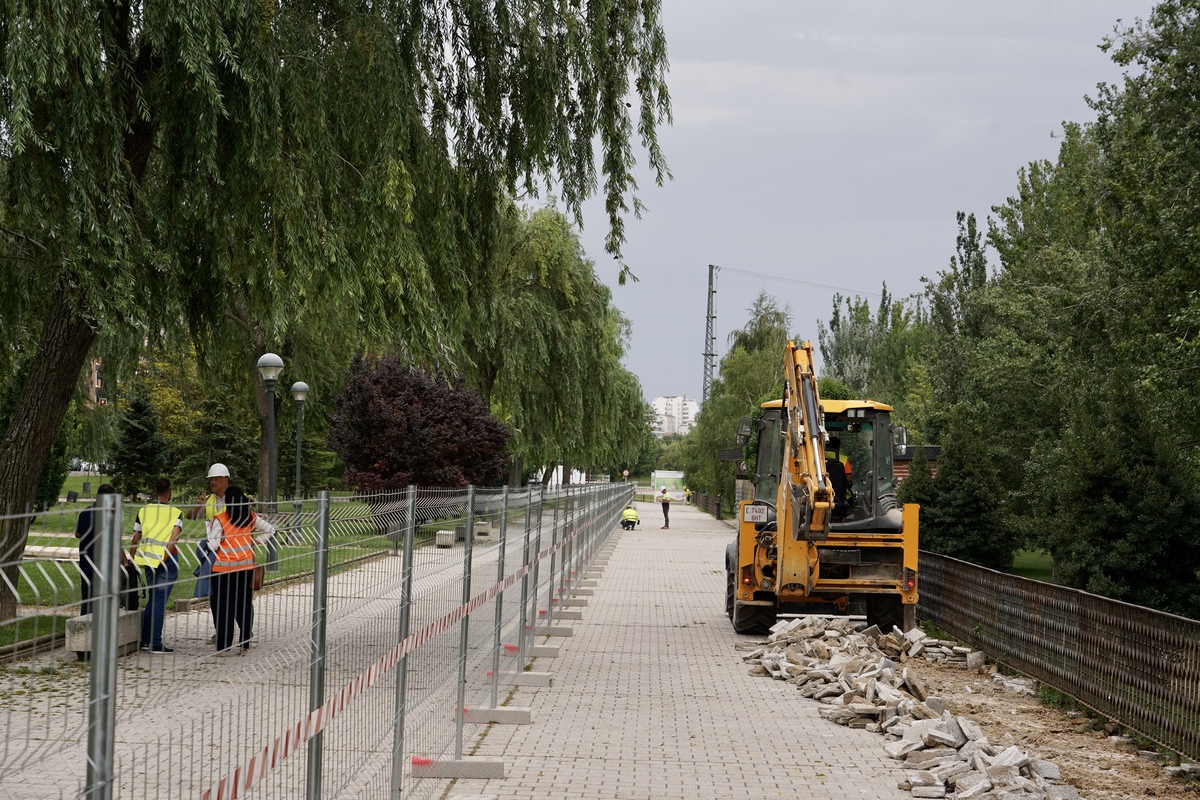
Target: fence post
x=718 y=508
x=464 y=627
x=102 y=697
x=410 y=530
x=497 y=644
x=316 y=680
x=526 y=625
x=553 y=574
x=537 y=560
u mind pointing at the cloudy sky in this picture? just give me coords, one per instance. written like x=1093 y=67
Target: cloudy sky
x=832 y=143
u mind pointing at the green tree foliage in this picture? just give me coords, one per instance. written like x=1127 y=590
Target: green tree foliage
x=544 y=348
x=224 y=432
x=293 y=176
x=878 y=354
x=140 y=455
x=395 y=426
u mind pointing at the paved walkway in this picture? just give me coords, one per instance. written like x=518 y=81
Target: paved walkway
x=650 y=699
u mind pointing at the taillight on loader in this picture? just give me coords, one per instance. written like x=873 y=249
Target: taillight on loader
x=748 y=575
x=910 y=579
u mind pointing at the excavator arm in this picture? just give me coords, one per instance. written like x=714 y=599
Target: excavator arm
x=806 y=494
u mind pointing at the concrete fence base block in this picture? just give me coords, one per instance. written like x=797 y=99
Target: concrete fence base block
x=555 y=630
x=467 y=767
x=129 y=631
x=444 y=538
x=538 y=651
x=505 y=715
x=587 y=584
x=575 y=603
x=183 y=604
x=585 y=592
x=527 y=678
x=569 y=615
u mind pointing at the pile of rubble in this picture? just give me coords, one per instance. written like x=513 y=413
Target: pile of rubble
x=858 y=675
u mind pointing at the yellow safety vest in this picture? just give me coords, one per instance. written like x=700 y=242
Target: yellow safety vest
x=629 y=514
x=210 y=508
x=158 y=521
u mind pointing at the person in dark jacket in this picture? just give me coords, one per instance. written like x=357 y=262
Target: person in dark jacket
x=86 y=530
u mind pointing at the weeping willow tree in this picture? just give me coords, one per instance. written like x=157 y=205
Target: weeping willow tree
x=313 y=174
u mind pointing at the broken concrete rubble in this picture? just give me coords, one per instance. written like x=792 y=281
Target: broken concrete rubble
x=858 y=677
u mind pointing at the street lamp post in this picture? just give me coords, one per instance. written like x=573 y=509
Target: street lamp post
x=269 y=366
x=300 y=394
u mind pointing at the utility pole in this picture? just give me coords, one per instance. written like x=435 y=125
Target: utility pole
x=710 y=342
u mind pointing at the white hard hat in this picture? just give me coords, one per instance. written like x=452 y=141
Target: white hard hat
x=218 y=471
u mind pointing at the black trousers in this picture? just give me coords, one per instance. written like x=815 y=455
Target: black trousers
x=666 y=513
x=233 y=602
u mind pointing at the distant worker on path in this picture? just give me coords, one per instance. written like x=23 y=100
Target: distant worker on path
x=629 y=517
x=665 y=499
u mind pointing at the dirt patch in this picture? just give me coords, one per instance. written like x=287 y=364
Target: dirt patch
x=1100 y=767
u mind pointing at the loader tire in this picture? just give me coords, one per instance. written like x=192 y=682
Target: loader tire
x=730 y=591
x=886 y=611
x=752 y=619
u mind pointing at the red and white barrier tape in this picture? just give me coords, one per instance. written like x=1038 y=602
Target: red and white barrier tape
x=236 y=783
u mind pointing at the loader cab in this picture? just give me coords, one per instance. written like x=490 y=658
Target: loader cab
x=864 y=430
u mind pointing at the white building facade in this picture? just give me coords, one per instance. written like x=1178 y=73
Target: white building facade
x=674 y=414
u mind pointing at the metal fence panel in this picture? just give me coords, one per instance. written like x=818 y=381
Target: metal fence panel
x=354 y=669
x=1136 y=665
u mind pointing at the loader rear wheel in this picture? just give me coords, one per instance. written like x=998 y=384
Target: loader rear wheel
x=730 y=592
x=752 y=619
x=885 y=611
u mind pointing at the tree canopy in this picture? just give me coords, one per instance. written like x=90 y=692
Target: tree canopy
x=301 y=177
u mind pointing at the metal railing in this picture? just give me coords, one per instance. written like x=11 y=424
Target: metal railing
x=707 y=502
x=388 y=618
x=1135 y=665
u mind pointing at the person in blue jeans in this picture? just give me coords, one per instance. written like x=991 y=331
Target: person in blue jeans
x=155 y=532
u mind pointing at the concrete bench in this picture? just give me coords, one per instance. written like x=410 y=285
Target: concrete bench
x=129 y=631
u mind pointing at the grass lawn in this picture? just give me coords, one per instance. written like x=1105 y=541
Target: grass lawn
x=74 y=483
x=1034 y=564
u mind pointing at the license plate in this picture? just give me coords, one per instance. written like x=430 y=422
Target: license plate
x=754 y=514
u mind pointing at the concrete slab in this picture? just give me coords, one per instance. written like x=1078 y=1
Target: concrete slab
x=527 y=678
x=505 y=715
x=537 y=651
x=555 y=630
x=467 y=768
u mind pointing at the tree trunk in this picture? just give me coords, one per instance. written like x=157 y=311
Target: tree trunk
x=53 y=373
x=260 y=404
x=566 y=474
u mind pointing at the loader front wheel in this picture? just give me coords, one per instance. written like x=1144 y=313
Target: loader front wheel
x=752 y=619
x=885 y=611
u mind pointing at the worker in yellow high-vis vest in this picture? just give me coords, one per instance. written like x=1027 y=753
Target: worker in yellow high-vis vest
x=155 y=532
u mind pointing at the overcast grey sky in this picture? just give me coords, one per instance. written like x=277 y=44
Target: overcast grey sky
x=833 y=142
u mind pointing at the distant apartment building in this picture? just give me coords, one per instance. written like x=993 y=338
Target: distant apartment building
x=674 y=415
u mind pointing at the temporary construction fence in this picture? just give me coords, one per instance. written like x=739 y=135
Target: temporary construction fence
x=388 y=627
x=1135 y=665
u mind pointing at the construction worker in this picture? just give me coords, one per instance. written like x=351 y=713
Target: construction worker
x=212 y=504
x=155 y=532
x=629 y=517
x=665 y=499
x=232 y=539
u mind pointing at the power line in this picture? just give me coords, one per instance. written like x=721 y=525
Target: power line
x=800 y=282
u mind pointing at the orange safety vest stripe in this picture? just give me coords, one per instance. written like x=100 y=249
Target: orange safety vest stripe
x=237 y=546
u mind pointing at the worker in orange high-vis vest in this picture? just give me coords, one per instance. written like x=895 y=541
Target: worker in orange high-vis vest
x=233 y=541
